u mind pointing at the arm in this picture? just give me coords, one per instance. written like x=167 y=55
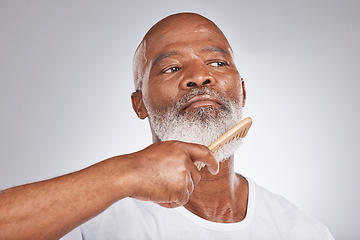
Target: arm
x=163 y=173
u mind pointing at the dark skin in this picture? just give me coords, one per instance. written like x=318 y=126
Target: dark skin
x=33 y=211
x=175 y=59
x=164 y=172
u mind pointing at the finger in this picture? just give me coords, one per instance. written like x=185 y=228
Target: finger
x=190 y=184
x=201 y=153
x=195 y=175
x=184 y=199
x=214 y=170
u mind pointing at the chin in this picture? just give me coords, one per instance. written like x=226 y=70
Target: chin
x=204 y=113
x=201 y=125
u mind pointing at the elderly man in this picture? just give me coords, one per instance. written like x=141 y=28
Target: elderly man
x=188 y=86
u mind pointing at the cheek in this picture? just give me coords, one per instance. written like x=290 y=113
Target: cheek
x=231 y=86
x=162 y=95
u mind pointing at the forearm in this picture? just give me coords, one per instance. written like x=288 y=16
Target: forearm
x=51 y=208
x=162 y=173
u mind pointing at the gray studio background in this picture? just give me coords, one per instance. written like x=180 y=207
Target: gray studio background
x=65 y=85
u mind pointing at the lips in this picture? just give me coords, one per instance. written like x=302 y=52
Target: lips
x=201 y=101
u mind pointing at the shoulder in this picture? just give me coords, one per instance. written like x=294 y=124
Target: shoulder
x=284 y=215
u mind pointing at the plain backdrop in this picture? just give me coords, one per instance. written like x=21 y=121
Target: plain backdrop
x=66 y=80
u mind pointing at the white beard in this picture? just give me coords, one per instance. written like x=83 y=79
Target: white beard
x=202 y=126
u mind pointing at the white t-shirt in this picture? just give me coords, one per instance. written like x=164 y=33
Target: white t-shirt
x=269 y=216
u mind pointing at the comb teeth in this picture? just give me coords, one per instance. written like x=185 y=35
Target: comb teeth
x=241 y=134
x=199 y=165
x=246 y=131
x=240 y=130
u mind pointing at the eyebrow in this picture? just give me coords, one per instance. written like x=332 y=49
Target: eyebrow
x=163 y=56
x=171 y=53
x=214 y=49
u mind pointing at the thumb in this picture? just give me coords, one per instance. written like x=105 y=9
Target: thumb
x=212 y=167
x=200 y=153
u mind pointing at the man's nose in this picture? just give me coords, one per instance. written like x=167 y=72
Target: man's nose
x=197 y=76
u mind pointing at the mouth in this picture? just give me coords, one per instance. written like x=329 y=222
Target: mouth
x=201 y=101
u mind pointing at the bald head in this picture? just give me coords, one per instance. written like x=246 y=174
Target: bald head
x=173 y=25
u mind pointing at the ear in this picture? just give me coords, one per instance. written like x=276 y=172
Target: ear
x=244 y=92
x=138 y=104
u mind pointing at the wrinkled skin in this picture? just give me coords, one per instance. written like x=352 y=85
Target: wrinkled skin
x=179 y=53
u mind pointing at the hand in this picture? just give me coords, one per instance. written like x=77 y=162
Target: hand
x=165 y=172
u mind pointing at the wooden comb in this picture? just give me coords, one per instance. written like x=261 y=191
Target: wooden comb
x=238 y=131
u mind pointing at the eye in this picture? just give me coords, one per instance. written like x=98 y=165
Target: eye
x=217 y=64
x=171 y=70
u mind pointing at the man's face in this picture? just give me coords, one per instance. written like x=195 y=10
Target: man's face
x=181 y=60
x=189 y=73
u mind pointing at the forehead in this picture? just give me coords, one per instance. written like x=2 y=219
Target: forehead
x=193 y=38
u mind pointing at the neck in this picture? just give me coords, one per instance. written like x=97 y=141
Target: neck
x=220 y=198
